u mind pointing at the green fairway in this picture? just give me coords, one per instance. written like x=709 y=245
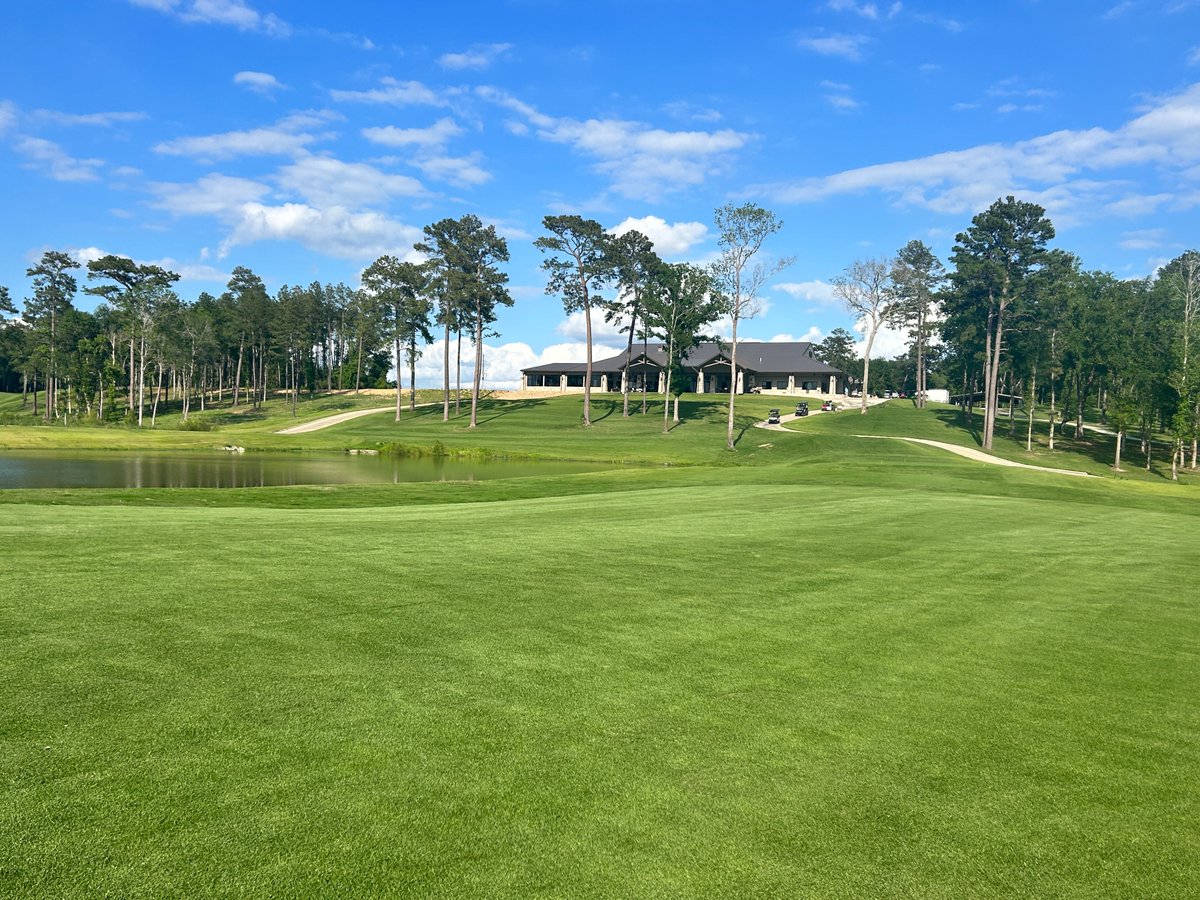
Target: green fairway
x=821 y=666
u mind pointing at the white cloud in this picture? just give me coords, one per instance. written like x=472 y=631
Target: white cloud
x=435 y=135
x=8 y=116
x=326 y=182
x=866 y=10
x=260 y=82
x=185 y=271
x=220 y=12
x=642 y=162
x=1115 y=12
x=1045 y=169
x=575 y=328
x=287 y=137
x=464 y=171
x=847 y=46
x=480 y=56
x=1143 y=239
x=842 y=102
x=502 y=363
x=51 y=160
x=324 y=225
x=814 y=335
x=212 y=195
x=335 y=231
x=686 y=112
x=1193 y=57
x=816 y=291
x=394 y=93
x=888 y=344
x=671 y=241
x=100 y=119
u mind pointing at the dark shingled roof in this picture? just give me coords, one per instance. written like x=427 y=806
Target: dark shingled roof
x=754 y=356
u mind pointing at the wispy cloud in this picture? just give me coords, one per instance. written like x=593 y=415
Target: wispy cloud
x=480 y=56
x=393 y=92
x=1144 y=239
x=464 y=171
x=98 y=119
x=8 y=116
x=51 y=160
x=847 y=46
x=642 y=162
x=837 y=95
x=1062 y=170
x=871 y=11
x=236 y=13
x=434 y=135
x=259 y=82
x=287 y=137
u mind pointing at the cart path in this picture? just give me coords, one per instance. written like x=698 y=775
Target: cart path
x=326 y=422
x=978 y=455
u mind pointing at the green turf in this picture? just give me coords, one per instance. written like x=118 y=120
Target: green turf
x=822 y=667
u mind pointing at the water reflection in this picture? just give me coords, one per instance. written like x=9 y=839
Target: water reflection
x=59 y=469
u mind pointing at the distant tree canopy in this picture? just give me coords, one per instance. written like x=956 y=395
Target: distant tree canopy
x=1011 y=321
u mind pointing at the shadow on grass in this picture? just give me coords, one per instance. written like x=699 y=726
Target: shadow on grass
x=957 y=418
x=490 y=410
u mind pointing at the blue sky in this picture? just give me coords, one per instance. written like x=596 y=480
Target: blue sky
x=303 y=139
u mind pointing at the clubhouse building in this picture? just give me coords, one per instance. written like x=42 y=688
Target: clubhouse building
x=767 y=368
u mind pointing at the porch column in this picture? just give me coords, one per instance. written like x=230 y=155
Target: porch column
x=604 y=382
x=738 y=389
x=833 y=384
x=624 y=380
x=791 y=384
x=562 y=382
x=700 y=381
x=662 y=381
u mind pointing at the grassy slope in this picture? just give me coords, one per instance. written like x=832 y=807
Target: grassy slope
x=835 y=667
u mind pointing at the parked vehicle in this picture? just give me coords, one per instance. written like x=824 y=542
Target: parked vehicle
x=802 y=409
x=828 y=406
x=773 y=417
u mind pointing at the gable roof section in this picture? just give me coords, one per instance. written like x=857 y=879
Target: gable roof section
x=754 y=356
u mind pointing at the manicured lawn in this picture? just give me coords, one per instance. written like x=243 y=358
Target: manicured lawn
x=823 y=667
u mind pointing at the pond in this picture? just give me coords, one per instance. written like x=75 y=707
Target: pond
x=69 y=469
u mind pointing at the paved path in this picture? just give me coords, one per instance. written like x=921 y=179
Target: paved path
x=978 y=455
x=318 y=424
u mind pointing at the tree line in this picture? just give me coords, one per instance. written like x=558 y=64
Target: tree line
x=1015 y=321
x=1011 y=321
x=143 y=344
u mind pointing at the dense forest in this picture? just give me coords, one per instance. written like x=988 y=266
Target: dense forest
x=1010 y=324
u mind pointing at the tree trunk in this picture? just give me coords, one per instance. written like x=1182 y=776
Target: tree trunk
x=399 y=369
x=132 y=369
x=478 y=374
x=458 y=377
x=1117 y=460
x=587 y=378
x=446 y=374
x=729 y=444
x=873 y=327
x=157 y=391
x=237 y=378
x=412 y=374
x=358 y=367
x=667 y=399
x=1029 y=412
x=645 y=350
x=628 y=356
x=141 y=386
